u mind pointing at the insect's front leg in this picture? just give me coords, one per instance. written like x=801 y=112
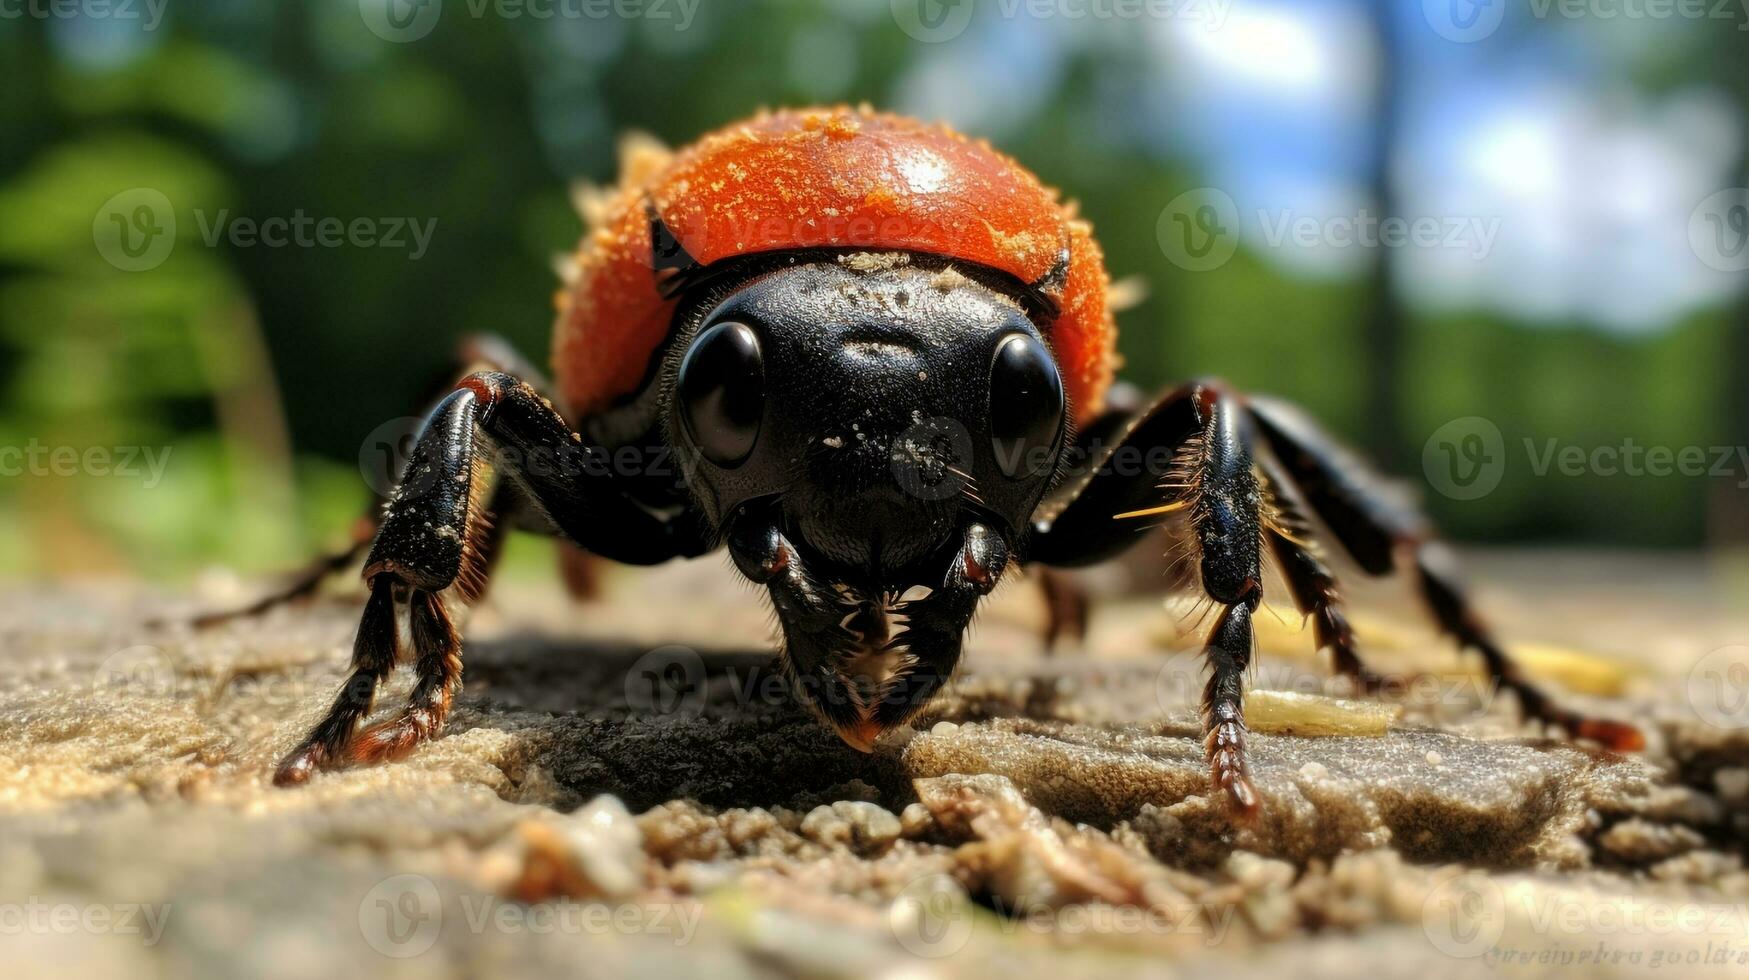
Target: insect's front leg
x=481 y=352
x=427 y=542
x=1209 y=436
x=429 y=552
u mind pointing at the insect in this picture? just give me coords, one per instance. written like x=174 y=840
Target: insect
x=877 y=355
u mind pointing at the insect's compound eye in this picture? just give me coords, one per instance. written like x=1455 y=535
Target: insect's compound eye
x=721 y=392
x=1026 y=406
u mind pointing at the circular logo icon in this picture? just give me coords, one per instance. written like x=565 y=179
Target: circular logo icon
x=1465 y=916
x=139 y=671
x=402 y=916
x=383 y=459
x=1718 y=687
x=400 y=21
x=1178 y=683
x=135 y=230
x=1199 y=229
x=933 y=21
x=1464 y=21
x=667 y=681
x=931 y=917
x=1718 y=230
x=932 y=460
x=1465 y=458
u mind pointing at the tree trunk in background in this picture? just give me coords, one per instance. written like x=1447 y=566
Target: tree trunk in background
x=1728 y=504
x=1728 y=523
x=1382 y=314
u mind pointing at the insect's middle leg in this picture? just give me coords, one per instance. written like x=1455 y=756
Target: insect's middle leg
x=1214 y=482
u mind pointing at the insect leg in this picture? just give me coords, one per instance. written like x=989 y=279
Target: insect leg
x=1076 y=526
x=481 y=352
x=1066 y=606
x=434 y=543
x=423 y=547
x=1208 y=435
x=1066 y=602
x=1381 y=535
x=1311 y=583
x=303 y=583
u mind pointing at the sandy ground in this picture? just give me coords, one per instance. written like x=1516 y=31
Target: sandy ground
x=626 y=789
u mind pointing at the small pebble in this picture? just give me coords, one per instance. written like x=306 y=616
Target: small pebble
x=867 y=826
x=915 y=820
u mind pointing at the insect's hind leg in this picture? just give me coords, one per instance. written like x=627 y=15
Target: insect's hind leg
x=303 y=583
x=1310 y=582
x=1382 y=536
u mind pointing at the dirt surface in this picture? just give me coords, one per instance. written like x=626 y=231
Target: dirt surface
x=625 y=787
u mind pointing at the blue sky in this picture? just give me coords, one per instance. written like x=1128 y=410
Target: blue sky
x=1534 y=131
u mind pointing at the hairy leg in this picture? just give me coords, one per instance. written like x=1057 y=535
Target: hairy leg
x=1214 y=483
x=1382 y=535
x=433 y=548
x=480 y=352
